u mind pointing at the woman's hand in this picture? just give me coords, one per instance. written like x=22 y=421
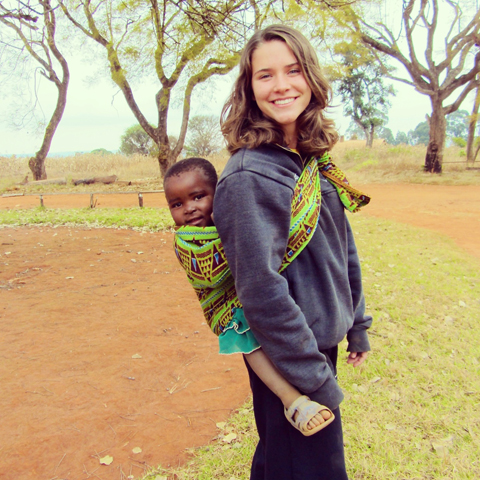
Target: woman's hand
x=357 y=358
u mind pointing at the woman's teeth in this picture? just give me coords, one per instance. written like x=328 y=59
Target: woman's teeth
x=284 y=101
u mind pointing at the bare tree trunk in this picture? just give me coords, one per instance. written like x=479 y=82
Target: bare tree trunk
x=166 y=158
x=37 y=166
x=472 y=126
x=37 y=163
x=370 y=134
x=476 y=153
x=436 y=144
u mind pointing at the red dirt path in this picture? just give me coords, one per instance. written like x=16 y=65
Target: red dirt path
x=77 y=305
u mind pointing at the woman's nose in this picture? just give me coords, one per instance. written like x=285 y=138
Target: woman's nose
x=282 y=83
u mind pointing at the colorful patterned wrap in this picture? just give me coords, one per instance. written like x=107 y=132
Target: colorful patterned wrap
x=200 y=251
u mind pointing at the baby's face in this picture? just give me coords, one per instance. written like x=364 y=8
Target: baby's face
x=190 y=198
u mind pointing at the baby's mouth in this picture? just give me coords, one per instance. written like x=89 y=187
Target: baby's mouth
x=195 y=221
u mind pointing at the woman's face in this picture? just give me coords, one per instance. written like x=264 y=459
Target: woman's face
x=279 y=86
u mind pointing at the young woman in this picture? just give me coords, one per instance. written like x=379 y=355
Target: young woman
x=274 y=124
x=189 y=187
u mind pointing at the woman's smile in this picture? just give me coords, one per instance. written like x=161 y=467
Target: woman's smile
x=285 y=101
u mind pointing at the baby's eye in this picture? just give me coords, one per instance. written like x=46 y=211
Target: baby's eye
x=175 y=205
x=199 y=196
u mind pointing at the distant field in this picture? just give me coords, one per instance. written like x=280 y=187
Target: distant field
x=380 y=164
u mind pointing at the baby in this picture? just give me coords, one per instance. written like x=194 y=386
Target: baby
x=189 y=187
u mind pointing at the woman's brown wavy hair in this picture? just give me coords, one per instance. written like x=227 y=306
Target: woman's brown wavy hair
x=244 y=125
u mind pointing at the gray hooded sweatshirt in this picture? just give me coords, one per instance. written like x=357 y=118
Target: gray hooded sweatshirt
x=316 y=300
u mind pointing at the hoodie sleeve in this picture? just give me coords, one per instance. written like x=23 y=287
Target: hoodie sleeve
x=357 y=336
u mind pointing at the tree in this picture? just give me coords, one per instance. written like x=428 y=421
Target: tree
x=457 y=124
x=472 y=126
x=477 y=149
x=387 y=135
x=359 y=82
x=401 y=137
x=102 y=152
x=179 y=43
x=135 y=140
x=204 y=136
x=439 y=78
x=355 y=132
x=421 y=134
x=40 y=43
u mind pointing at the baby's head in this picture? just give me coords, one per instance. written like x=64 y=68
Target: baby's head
x=189 y=187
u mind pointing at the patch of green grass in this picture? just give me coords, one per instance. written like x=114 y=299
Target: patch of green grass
x=413 y=410
x=365 y=164
x=137 y=218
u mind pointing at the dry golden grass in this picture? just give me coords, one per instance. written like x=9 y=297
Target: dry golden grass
x=380 y=164
x=137 y=168
x=86 y=165
x=400 y=164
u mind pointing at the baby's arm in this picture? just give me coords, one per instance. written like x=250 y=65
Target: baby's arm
x=287 y=393
x=271 y=377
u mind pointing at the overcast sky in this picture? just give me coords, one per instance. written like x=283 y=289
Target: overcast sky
x=97 y=115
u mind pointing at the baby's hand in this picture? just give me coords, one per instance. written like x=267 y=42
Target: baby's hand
x=357 y=358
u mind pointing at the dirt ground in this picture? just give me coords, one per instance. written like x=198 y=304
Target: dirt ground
x=104 y=348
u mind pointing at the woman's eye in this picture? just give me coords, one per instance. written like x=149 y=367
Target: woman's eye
x=294 y=70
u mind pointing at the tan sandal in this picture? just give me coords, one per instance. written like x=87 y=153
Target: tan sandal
x=306 y=409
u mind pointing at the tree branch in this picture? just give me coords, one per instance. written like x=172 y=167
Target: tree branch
x=463 y=79
x=456 y=104
x=211 y=67
x=431 y=27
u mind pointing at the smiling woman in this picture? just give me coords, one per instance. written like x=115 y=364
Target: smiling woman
x=275 y=126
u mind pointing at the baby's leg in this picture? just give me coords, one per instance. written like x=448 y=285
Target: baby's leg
x=271 y=377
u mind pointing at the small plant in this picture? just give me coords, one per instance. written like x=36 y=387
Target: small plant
x=459 y=142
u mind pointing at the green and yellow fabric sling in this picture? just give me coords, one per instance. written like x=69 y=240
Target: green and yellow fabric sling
x=200 y=251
